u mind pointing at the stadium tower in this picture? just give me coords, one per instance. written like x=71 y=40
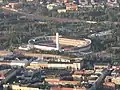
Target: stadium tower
x=57 y=41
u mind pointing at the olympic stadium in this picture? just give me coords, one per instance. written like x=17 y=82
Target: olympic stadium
x=57 y=43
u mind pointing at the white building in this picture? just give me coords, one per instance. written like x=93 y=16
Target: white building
x=64 y=65
x=58 y=65
x=19 y=63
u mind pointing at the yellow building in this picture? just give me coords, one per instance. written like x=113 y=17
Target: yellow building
x=116 y=80
x=17 y=87
x=62 y=82
x=54 y=65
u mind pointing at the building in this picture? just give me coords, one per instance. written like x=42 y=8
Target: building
x=71 y=6
x=98 y=71
x=112 y=3
x=66 y=1
x=61 y=82
x=109 y=85
x=3 y=53
x=7 y=74
x=28 y=76
x=61 y=10
x=14 y=5
x=25 y=77
x=63 y=88
x=83 y=72
x=83 y=2
x=4 y=73
x=100 y=66
x=58 y=65
x=116 y=80
x=51 y=6
x=5 y=62
x=19 y=62
x=19 y=87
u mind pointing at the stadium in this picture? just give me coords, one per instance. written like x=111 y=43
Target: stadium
x=57 y=43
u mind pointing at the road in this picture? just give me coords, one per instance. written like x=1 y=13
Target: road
x=4 y=53
x=100 y=80
x=39 y=17
x=11 y=74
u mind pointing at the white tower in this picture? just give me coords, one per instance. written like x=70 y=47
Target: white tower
x=57 y=41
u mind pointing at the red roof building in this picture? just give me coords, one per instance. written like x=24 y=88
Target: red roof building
x=109 y=85
x=63 y=88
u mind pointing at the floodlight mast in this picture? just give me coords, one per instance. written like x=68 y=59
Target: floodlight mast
x=57 y=41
